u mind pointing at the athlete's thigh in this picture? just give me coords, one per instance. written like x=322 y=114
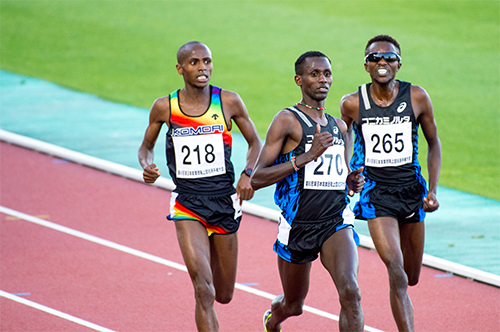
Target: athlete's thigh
x=294 y=279
x=384 y=232
x=412 y=246
x=223 y=259
x=195 y=247
x=339 y=256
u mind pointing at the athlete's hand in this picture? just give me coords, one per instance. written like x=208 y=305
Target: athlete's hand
x=355 y=181
x=244 y=189
x=150 y=173
x=321 y=142
x=431 y=203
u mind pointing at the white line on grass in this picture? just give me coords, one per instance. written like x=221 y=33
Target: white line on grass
x=153 y=258
x=53 y=312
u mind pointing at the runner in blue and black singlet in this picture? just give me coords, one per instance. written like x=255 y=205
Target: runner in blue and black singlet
x=386 y=145
x=304 y=155
x=385 y=116
x=313 y=200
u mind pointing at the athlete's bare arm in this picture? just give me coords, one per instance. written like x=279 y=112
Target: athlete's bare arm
x=283 y=135
x=424 y=112
x=349 y=108
x=158 y=115
x=355 y=180
x=236 y=110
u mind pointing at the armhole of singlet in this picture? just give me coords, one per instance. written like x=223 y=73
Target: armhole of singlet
x=222 y=109
x=301 y=115
x=364 y=95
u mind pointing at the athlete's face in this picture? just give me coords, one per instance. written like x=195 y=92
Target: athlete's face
x=316 y=78
x=383 y=70
x=195 y=66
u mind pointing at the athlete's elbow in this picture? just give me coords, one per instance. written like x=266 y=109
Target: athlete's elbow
x=256 y=183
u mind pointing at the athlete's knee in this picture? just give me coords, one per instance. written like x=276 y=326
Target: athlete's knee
x=294 y=308
x=398 y=279
x=349 y=293
x=413 y=274
x=204 y=292
x=413 y=279
x=224 y=296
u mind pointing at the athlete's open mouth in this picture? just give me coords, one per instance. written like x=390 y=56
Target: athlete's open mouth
x=382 y=71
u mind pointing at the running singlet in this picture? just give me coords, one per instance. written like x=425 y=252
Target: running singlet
x=317 y=191
x=198 y=149
x=386 y=142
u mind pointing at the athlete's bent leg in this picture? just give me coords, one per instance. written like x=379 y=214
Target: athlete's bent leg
x=412 y=246
x=340 y=257
x=385 y=235
x=223 y=258
x=195 y=248
x=295 y=283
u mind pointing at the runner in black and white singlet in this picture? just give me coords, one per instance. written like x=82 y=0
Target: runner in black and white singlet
x=385 y=116
x=205 y=207
x=304 y=154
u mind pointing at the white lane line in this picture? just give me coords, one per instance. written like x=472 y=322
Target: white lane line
x=53 y=312
x=153 y=258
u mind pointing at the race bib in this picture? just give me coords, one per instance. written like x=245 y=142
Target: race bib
x=327 y=172
x=388 y=145
x=199 y=156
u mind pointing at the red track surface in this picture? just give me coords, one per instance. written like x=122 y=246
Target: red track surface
x=123 y=292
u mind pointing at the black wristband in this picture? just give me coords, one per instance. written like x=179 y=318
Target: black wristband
x=247 y=171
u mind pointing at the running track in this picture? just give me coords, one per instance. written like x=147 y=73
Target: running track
x=89 y=276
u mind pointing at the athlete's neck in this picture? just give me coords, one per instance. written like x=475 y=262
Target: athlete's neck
x=315 y=109
x=194 y=100
x=384 y=94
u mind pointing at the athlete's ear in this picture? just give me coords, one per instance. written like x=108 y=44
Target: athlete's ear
x=298 y=80
x=399 y=66
x=179 y=69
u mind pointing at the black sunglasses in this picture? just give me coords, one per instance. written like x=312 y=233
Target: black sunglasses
x=387 y=56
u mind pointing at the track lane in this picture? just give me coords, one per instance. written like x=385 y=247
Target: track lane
x=133 y=214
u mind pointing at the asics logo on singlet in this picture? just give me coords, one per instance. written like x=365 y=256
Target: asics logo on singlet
x=189 y=131
x=401 y=107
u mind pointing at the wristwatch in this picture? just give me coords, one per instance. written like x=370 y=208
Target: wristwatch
x=247 y=171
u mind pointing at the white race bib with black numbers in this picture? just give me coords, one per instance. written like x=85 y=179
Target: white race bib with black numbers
x=327 y=172
x=388 y=145
x=199 y=156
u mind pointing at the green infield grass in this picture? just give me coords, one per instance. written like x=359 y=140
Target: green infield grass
x=124 y=51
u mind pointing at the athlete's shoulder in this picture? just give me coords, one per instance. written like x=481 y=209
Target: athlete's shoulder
x=285 y=115
x=341 y=124
x=349 y=105
x=418 y=91
x=228 y=96
x=232 y=103
x=162 y=104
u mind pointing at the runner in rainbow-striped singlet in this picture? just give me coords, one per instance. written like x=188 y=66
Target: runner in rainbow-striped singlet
x=205 y=206
x=198 y=157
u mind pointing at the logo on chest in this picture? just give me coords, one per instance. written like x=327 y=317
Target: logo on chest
x=190 y=131
x=401 y=107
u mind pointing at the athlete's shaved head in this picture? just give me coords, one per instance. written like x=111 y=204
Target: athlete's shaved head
x=383 y=38
x=185 y=50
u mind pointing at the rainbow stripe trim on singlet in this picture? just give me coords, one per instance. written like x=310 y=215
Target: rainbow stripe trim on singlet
x=212 y=116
